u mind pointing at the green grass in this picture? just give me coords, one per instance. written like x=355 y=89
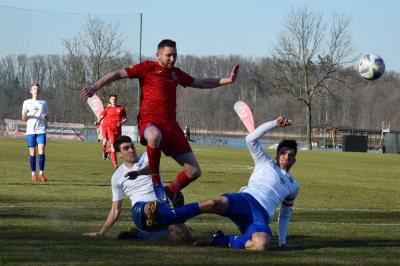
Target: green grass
x=347 y=211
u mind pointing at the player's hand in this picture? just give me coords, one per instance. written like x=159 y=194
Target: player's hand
x=26 y=111
x=234 y=72
x=161 y=193
x=96 y=123
x=92 y=234
x=88 y=92
x=283 y=121
x=132 y=175
x=44 y=116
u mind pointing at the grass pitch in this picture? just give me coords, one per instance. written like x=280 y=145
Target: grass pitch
x=347 y=211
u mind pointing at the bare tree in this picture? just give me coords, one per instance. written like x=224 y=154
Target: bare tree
x=95 y=52
x=308 y=53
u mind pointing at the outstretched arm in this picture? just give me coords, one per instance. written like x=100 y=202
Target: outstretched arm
x=107 y=79
x=209 y=83
x=112 y=218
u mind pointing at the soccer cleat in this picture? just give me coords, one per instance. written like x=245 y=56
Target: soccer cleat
x=34 y=178
x=208 y=241
x=42 y=178
x=104 y=158
x=131 y=234
x=161 y=193
x=108 y=158
x=154 y=223
x=178 y=200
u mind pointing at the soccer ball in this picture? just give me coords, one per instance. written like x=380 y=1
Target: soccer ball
x=371 y=67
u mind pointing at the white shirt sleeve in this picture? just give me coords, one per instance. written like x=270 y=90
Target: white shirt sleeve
x=283 y=223
x=255 y=148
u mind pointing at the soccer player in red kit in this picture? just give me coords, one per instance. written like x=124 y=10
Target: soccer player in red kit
x=158 y=128
x=115 y=116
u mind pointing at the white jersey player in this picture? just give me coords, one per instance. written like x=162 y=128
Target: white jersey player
x=133 y=178
x=253 y=207
x=35 y=111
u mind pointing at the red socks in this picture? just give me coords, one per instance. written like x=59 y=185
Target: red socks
x=114 y=160
x=154 y=155
x=103 y=150
x=180 y=182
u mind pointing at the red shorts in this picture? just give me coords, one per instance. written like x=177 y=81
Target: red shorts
x=173 y=141
x=104 y=132
x=112 y=136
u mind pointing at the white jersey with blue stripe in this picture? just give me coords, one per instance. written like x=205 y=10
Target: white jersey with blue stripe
x=140 y=189
x=268 y=184
x=35 y=123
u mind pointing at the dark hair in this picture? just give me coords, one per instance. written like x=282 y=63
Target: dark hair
x=289 y=143
x=112 y=95
x=35 y=84
x=122 y=139
x=166 y=43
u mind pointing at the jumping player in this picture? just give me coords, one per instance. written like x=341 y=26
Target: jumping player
x=253 y=207
x=116 y=116
x=35 y=111
x=158 y=129
x=140 y=191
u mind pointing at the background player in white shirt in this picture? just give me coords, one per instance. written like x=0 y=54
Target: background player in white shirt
x=134 y=179
x=253 y=207
x=35 y=111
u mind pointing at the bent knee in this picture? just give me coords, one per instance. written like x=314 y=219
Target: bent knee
x=195 y=174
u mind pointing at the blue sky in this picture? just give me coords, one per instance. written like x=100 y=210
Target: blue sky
x=245 y=27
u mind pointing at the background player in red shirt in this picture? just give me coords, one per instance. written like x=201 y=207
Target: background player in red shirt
x=115 y=116
x=158 y=128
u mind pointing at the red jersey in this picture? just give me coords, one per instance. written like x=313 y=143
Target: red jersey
x=113 y=115
x=158 y=84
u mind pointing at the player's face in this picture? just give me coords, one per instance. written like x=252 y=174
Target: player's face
x=113 y=101
x=128 y=152
x=35 y=91
x=167 y=57
x=286 y=158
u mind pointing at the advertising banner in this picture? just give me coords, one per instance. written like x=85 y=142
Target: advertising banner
x=63 y=131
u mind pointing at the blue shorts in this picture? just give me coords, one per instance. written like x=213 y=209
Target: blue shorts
x=139 y=216
x=248 y=215
x=35 y=139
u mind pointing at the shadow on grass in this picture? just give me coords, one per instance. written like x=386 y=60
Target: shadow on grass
x=310 y=242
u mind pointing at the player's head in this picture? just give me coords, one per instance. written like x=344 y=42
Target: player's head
x=112 y=99
x=125 y=149
x=167 y=53
x=286 y=153
x=35 y=89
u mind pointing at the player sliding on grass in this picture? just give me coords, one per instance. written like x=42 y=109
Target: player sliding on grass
x=140 y=191
x=115 y=116
x=253 y=207
x=158 y=128
x=35 y=111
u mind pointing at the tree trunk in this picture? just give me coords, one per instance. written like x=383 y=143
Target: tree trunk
x=308 y=138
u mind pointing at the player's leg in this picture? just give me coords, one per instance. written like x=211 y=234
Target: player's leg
x=175 y=144
x=41 y=140
x=103 y=149
x=140 y=215
x=152 y=137
x=191 y=171
x=104 y=144
x=112 y=136
x=251 y=220
x=31 y=140
x=160 y=218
